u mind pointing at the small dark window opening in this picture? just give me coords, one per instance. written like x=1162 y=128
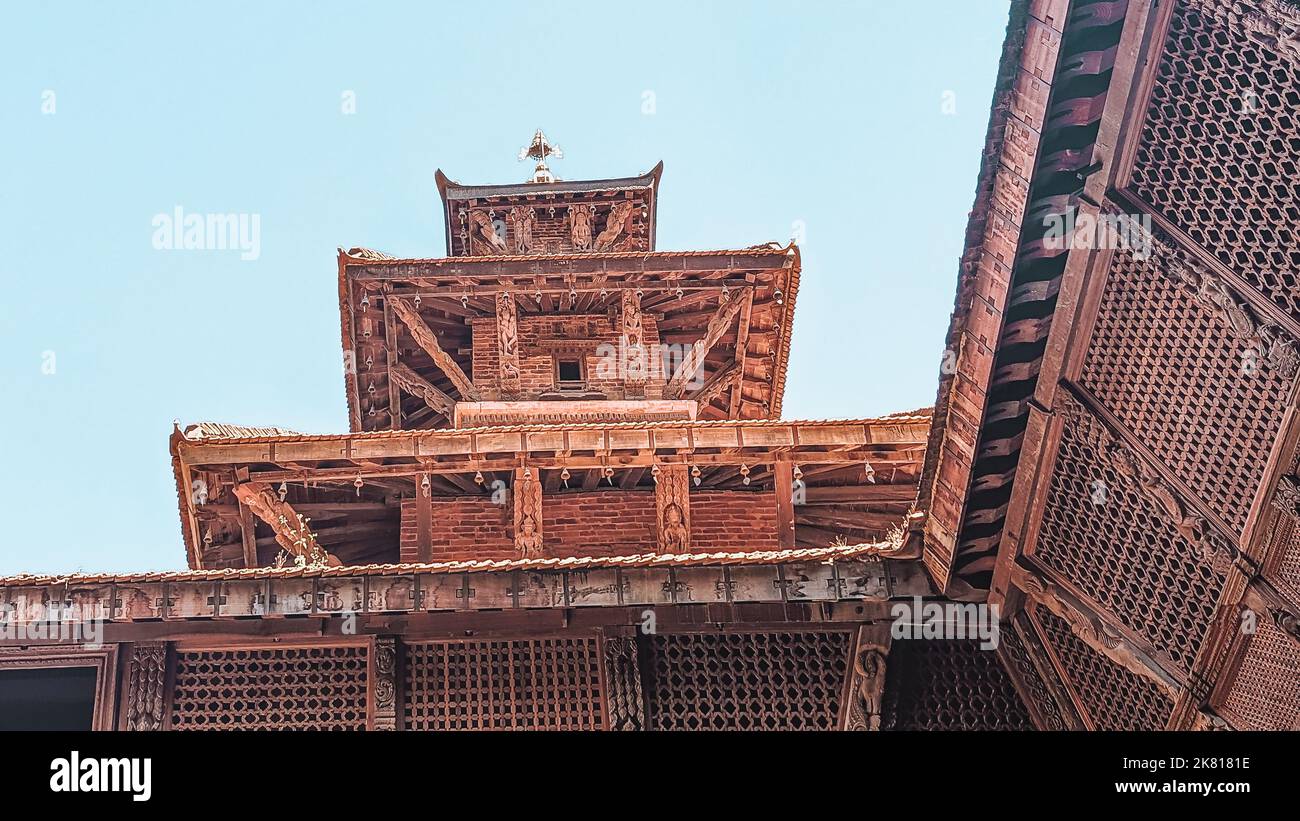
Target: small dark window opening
x=47 y=698
x=568 y=372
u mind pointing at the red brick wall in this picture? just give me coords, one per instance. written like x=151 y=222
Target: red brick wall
x=733 y=520
x=539 y=335
x=463 y=528
x=600 y=523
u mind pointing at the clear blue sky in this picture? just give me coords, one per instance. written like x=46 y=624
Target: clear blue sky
x=765 y=113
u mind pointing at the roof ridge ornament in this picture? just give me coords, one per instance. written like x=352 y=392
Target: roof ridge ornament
x=539 y=149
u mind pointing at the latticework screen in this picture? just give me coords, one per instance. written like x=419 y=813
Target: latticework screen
x=1266 y=692
x=1115 y=698
x=746 y=681
x=936 y=684
x=1218 y=151
x=318 y=688
x=1200 y=395
x=1017 y=653
x=537 y=684
x=1105 y=534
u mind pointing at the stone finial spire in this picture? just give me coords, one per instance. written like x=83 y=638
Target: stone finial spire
x=539 y=150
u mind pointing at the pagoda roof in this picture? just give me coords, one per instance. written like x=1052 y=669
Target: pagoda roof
x=687 y=287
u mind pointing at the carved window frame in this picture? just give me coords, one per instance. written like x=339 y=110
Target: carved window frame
x=103 y=660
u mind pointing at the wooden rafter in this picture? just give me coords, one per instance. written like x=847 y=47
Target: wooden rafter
x=291 y=531
x=742 y=345
x=718 y=325
x=428 y=341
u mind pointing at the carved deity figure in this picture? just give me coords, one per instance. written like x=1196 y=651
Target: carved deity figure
x=614 y=225
x=484 y=231
x=522 y=221
x=529 y=540
x=580 y=227
x=868 y=670
x=675 y=533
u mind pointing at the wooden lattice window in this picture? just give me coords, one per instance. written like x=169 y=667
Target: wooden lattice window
x=938 y=684
x=313 y=688
x=1115 y=698
x=1265 y=694
x=1104 y=533
x=1016 y=652
x=527 y=684
x=1218 y=148
x=1201 y=394
x=746 y=681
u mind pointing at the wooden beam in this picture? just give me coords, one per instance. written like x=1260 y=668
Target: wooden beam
x=416 y=385
x=428 y=342
x=742 y=346
x=783 y=473
x=390 y=345
x=717 y=385
x=246 y=526
x=291 y=531
x=694 y=360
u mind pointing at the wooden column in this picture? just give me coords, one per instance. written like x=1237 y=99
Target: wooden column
x=783 y=477
x=384 y=683
x=528 y=513
x=673 y=508
x=635 y=357
x=148 y=687
x=508 y=345
x=247 y=528
x=864 y=702
x=624 y=696
x=424 y=520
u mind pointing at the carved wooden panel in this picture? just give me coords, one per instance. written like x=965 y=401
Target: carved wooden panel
x=1016 y=639
x=623 y=683
x=1265 y=693
x=1106 y=530
x=310 y=688
x=673 y=508
x=146 y=682
x=1218 y=153
x=1115 y=698
x=937 y=684
x=1190 y=369
x=527 y=684
x=746 y=681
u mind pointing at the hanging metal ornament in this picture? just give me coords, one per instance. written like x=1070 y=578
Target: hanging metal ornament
x=744 y=473
x=609 y=475
x=654 y=473
x=780 y=299
x=358 y=484
x=564 y=477
x=725 y=295
x=695 y=474
x=798 y=474
x=365 y=302
x=478 y=477
x=284 y=490
x=680 y=292
x=464 y=300
x=425 y=485
x=416 y=302
x=871 y=473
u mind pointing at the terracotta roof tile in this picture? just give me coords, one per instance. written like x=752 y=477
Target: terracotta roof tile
x=820 y=554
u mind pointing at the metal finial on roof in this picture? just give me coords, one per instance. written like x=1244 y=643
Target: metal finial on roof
x=539 y=150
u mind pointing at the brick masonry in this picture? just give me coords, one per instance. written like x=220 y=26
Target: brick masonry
x=598 y=523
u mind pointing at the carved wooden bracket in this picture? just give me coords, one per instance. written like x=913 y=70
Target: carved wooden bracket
x=528 y=514
x=384 y=684
x=146 y=687
x=694 y=360
x=507 y=316
x=291 y=530
x=428 y=341
x=865 y=710
x=416 y=385
x=673 y=508
x=625 y=697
